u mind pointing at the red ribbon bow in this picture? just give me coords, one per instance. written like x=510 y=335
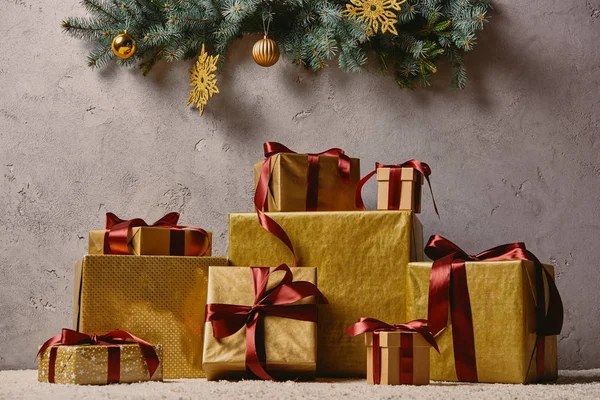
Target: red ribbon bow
x=113 y=340
x=376 y=326
x=279 y=301
x=448 y=289
x=395 y=183
x=116 y=237
x=262 y=189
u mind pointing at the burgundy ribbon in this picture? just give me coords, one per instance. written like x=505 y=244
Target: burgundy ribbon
x=395 y=183
x=118 y=231
x=375 y=326
x=279 y=301
x=448 y=289
x=113 y=340
x=262 y=189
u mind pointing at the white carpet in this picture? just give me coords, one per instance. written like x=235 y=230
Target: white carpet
x=571 y=385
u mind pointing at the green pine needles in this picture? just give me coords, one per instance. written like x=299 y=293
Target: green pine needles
x=310 y=33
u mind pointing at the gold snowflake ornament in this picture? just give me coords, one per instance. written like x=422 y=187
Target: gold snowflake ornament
x=203 y=80
x=376 y=13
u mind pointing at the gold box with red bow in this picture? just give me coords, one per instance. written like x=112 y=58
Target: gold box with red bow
x=403 y=359
x=157 y=241
x=100 y=364
x=162 y=238
x=158 y=298
x=502 y=297
x=302 y=182
x=407 y=191
x=249 y=310
x=362 y=259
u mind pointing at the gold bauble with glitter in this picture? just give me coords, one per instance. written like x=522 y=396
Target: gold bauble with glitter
x=265 y=52
x=123 y=45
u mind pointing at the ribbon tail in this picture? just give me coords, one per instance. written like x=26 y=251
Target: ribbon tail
x=260 y=201
x=358 y=201
x=253 y=363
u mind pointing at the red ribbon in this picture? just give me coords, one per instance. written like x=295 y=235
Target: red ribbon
x=118 y=231
x=262 y=189
x=395 y=183
x=375 y=326
x=448 y=289
x=113 y=340
x=279 y=301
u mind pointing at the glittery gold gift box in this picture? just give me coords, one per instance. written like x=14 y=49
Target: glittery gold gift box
x=290 y=345
x=88 y=365
x=157 y=241
x=289 y=180
x=361 y=258
x=158 y=298
x=502 y=297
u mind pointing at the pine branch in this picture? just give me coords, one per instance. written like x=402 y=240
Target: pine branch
x=99 y=9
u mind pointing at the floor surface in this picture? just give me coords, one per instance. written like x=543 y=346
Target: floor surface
x=571 y=385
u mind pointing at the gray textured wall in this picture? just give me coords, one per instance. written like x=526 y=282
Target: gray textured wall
x=515 y=156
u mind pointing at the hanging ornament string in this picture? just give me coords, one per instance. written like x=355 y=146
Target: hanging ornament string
x=267 y=15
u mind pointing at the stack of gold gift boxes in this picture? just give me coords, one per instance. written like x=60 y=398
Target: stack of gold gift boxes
x=155 y=282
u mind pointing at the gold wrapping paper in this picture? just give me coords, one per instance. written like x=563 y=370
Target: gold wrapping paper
x=88 y=365
x=361 y=257
x=289 y=179
x=389 y=343
x=290 y=345
x=410 y=190
x=153 y=241
x=158 y=298
x=503 y=307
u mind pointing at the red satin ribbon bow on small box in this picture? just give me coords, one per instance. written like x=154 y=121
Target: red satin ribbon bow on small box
x=395 y=183
x=376 y=326
x=279 y=301
x=449 y=293
x=113 y=340
x=118 y=232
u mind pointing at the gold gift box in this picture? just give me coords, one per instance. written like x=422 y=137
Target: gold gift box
x=361 y=258
x=157 y=241
x=410 y=189
x=88 y=365
x=389 y=343
x=158 y=298
x=289 y=180
x=502 y=297
x=290 y=345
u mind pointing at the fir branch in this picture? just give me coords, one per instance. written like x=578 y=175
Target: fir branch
x=147 y=65
x=84 y=28
x=99 y=9
x=100 y=56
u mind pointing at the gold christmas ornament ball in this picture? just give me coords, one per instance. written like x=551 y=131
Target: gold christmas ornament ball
x=265 y=52
x=123 y=45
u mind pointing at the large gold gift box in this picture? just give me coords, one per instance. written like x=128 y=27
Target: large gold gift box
x=391 y=354
x=157 y=241
x=502 y=297
x=290 y=345
x=158 y=298
x=88 y=365
x=410 y=189
x=361 y=258
x=289 y=180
